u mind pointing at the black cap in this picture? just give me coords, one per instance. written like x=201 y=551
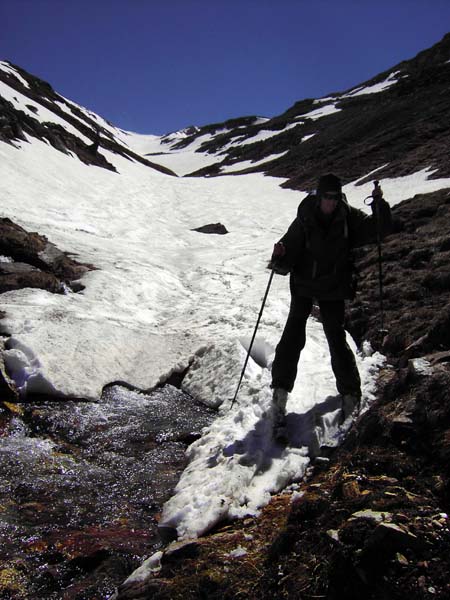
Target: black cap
x=329 y=183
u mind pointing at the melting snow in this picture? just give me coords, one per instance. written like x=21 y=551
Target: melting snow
x=163 y=297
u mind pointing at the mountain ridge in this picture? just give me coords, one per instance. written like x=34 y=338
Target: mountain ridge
x=14 y=122
x=356 y=143
x=351 y=132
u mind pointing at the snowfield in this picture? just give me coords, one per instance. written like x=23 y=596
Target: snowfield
x=163 y=297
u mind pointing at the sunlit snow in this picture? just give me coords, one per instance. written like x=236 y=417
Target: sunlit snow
x=159 y=150
x=375 y=88
x=265 y=134
x=323 y=111
x=245 y=164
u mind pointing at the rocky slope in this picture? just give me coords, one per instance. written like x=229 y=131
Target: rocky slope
x=393 y=123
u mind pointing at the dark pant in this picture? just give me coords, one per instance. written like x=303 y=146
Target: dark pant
x=284 y=368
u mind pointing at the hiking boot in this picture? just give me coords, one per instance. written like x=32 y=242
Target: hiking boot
x=279 y=400
x=351 y=404
x=279 y=427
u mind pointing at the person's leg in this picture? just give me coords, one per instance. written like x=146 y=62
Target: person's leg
x=287 y=354
x=343 y=360
x=292 y=342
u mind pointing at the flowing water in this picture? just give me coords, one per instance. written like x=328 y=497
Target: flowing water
x=82 y=485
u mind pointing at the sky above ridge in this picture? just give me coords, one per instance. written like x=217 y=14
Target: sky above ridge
x=154 y=67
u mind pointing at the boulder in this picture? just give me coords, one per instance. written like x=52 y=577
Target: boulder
x=217 y=228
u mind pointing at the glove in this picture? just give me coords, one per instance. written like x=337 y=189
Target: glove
x=279 y=250
x=276 y=262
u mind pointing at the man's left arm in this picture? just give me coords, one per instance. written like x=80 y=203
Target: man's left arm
x=366 y=228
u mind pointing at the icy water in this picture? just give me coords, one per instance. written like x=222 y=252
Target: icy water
x=81 y=487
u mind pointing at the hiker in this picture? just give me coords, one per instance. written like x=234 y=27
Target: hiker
x=316 y=250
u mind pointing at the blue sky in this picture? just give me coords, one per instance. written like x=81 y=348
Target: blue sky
x=155 y=66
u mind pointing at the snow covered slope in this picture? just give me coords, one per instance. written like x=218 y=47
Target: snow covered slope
x=163 y=297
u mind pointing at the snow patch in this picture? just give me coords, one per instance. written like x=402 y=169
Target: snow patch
x=240 y=166
x=266 y=134
x=323 y=111
x=421 y=366
x=24 y=368
x=376 y=88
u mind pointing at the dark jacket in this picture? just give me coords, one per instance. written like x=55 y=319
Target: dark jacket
x=319 y=248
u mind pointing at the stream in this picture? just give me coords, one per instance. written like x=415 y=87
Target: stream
x=82 y=485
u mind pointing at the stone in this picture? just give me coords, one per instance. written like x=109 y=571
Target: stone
x=396 y=536
x=181 y=550
x=216 y=228
x=333 y=534
x=373 y=515
x=350 y=490
x=419 y=367
x=35 y=262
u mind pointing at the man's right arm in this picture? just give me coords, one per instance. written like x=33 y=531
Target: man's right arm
x=285 y=252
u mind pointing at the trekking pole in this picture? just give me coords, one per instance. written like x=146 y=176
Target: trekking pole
x=253 y=337
x=380 y=255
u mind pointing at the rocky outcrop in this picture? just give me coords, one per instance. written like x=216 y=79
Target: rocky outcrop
x=416 y=282
x=30 y=260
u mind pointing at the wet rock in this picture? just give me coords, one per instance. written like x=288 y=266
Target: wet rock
x=167 y=534
x=8 y=390
x=438 y=358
